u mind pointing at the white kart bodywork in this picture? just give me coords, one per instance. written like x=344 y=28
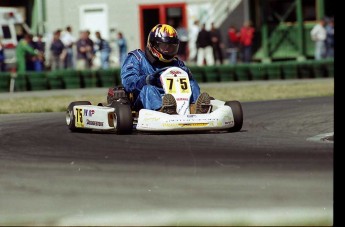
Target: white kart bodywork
x=102 y=118
x=93 y=117
x=174 y=81
x=220 y=118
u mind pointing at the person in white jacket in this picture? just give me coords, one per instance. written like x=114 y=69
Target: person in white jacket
x=192 y=36
x=318 y=35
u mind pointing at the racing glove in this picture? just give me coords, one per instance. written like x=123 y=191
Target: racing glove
x=152 y=80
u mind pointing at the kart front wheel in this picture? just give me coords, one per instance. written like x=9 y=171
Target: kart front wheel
x=123 y=120
x=237 y=112
x=70 y=118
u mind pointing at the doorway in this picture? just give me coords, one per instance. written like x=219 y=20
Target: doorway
x=94 y=17
x=151 y=15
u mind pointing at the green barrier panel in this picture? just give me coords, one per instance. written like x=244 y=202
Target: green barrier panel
x=198 y=73
x=274 y=71
x=305 y=69
x=117 y=72
x=289 y=70
x=55 y=80
x=88 y=78
x=329 y=64
x=319 y=69
x=258 y=71
x=37 y=81
x=21 y=83
x=242 y=72
x=71 y=78
x=107 y=78
x=212 y=74
x=5 y=78
x=226 y=72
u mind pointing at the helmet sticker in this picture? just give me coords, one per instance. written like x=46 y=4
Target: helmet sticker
x=162 y=30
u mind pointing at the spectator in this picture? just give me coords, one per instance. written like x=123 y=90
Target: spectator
x=68 y=40
x=58 y=52
x=24 y=49
x=183 y=36
x=330 y=38
x=204 y=45
x=83 y=51
x=318 y=35
x=2 y=57
x=122 y=43
x=216 y=44
x=39 y=45
x=30 y=59
x=192 y=36
x=234 y=44
x=246 y=41
x=91 y=53
x=103 y=47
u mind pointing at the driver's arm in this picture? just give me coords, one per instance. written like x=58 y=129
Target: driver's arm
x=130 y=74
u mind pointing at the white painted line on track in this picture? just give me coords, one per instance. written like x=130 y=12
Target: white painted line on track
x=322 y=138
x=267 y=217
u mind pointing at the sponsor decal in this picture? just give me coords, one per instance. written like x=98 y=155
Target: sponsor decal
x=229 y=122
x=175 y=72
x=152 y=119
x=169 y=124
x=191 y=115
x=192 y=119
x=88 y=112
x=194 y=125
x=79 y=118
x=182 y=99
x=94 y=123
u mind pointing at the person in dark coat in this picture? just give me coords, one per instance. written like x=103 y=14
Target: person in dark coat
x=216 y=39
x=204 y=45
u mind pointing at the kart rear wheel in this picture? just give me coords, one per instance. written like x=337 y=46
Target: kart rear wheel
x=70 y=118
x=237 y=111
x=123 y=119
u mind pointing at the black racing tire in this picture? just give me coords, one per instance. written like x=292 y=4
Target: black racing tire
x=123 y=119
x=238 y=115
x=70 y=118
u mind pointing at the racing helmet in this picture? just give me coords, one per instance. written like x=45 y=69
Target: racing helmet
x=163 y=42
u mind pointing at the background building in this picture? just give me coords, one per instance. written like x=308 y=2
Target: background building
x=277 y=22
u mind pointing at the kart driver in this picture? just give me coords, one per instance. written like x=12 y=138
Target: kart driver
x=138 y=67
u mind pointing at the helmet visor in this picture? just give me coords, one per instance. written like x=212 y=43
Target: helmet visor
x=168 y=49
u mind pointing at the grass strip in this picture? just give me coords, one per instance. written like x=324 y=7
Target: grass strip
x=242 y=93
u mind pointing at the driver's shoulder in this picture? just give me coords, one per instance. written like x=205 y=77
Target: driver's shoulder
x=138 y=54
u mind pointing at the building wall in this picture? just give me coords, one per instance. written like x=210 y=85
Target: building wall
x=122 y=16
x=66 y=12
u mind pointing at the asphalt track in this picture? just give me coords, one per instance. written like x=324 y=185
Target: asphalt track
x=276 y=171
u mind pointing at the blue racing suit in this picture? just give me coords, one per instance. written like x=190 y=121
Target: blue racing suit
x=134 y=72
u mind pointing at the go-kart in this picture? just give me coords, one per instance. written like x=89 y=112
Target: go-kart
x=121 y=116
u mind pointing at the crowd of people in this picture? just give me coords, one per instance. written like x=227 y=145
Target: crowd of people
x=64 y=51
x=197 y=45
x=206 y=47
